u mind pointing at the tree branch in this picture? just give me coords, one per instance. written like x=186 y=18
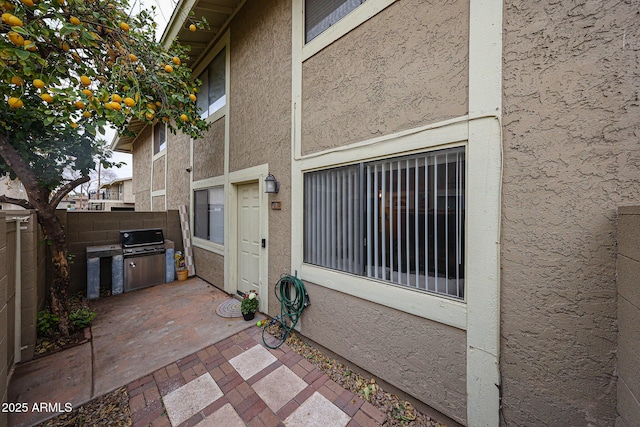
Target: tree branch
x=37 y=195
x=66 y=189
x=20 y=202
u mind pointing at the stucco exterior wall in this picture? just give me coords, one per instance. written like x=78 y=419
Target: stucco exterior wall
x=260 y=112
x=404 y=68
x=142 y=170
x=425 y=359
x=178 y=160
x=158 y=203
x=209 y=266
x=158 y=178
x=571 y=155
x=628 y=269
x=208 y=153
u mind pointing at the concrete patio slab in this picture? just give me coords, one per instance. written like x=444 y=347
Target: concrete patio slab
x=317 y=411
x=252 y=361
x=191 y=398
x=279 y=387
x=225 y=416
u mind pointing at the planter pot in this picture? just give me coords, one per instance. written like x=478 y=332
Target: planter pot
x=182 y=275
x=249 y=316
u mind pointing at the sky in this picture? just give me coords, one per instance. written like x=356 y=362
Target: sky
x=164 y=9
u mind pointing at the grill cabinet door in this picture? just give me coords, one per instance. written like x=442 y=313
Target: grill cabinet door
x=143 y=271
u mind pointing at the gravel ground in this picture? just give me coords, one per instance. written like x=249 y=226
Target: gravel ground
x=398 y=411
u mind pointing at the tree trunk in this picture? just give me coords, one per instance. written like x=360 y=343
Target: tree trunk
x=59 y=286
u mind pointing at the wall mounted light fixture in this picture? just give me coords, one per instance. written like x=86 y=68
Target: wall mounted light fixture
x=271 y=184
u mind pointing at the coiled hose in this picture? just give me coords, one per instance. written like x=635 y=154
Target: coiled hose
x=293 y=297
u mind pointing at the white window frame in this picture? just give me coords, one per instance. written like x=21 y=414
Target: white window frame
x=223 y=43
x=356 y=17
x=204 y=185
x=220 y=188
x=161 y=149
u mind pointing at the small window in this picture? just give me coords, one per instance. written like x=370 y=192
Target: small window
x=212 y=95
x=159 y=137
x=398 y=220
x=208 y=214
x=321 y=14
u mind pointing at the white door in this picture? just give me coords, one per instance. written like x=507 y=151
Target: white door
x=248 y=237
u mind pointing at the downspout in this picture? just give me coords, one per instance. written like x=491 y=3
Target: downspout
x=17 y=352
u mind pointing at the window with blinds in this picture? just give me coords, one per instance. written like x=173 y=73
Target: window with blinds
x=159 y=137
x=321 y=14
x=212 y=95
x=208 y=214
x=399 y=220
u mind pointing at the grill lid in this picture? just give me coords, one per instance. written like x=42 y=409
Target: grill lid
x=146 y=237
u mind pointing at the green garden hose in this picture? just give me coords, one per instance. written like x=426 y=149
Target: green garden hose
x=293 y=297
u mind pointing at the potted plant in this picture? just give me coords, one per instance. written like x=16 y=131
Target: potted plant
x=249 y=305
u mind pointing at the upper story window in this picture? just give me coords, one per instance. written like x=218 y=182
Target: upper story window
x=321 y=14
x=212 y=94
x=159 y=137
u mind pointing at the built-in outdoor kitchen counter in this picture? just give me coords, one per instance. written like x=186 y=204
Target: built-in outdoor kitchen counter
x=119 y=256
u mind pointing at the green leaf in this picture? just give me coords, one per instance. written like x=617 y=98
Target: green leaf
x=22 y=54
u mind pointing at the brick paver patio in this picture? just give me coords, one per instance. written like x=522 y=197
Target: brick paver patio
x=269 y=388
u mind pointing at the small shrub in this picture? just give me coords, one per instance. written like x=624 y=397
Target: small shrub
x=82 y=317
x=47 y=323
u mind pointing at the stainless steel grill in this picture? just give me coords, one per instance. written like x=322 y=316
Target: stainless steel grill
x=144 y=259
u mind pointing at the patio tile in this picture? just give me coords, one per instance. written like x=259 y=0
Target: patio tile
x=317 y=411
x=279 y=387
x=183 y=403
x=252 y=361
x=225 y=416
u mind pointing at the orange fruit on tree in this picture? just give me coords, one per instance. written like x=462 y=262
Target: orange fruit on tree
x=28 y=3
x=87 y=92
x=38 y=83
x=176 y=60
x=152 y=106
x=74 y=20
x=80 y=105
x=86 y=114
x=159 y=104
x=29 y=45
x=168 y=68
x=108 y=105
x=85 y=80
x=65 y=46
x=149 y=115
x=117 y=98
x=193 y=97
x=11 y=19
x=73 y=125
x=129 y=102
x=184 y=117
x=15 y=38
x=15 y=102
x=132 y=57
x=47 y=98
x=17 y=80
x=124 y=26
x=192 y=27
x=116 y=106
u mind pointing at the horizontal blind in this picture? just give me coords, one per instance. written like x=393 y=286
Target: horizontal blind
x=332 y=217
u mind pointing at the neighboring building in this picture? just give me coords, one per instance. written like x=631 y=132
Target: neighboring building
x=449 y=177
x=114 y=196
x=11 y=188
x=74 y=202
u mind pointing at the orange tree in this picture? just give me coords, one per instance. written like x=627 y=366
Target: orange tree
x=67 y=69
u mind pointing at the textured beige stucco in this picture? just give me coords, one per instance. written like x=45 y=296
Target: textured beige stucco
x=209 y=266
x=178 y=160
x=208 y=153
x=424 y=359
x=260 y=113
x=141 y=166
x=158 y=174
x=404 y=68
x=158 y=203
x=628 y=271
x=571 y=155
